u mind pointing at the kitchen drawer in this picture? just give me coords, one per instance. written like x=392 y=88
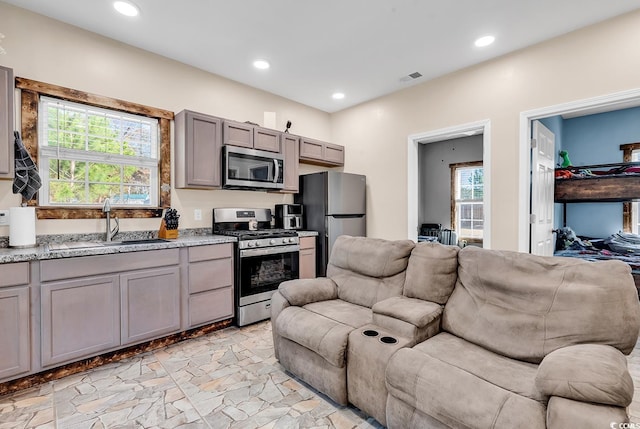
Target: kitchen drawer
x=209 y=275
x=206 y=307
x=215 y=251
x=307 y=243
x=15 y=274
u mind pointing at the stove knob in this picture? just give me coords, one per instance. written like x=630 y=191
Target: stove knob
x=272 y=241
x=291 y=240
x=251 y=244
x=284 y=241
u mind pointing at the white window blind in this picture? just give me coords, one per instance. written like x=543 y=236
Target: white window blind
x=88 y=154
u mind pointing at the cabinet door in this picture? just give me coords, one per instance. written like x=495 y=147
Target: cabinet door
x=80 y=318
x=291 y=149
x=238 y=134
x=150 y=302
x=266 y=139
x=198 y=150
x=15 y=352
x=334 y=154
x=311 y=149
x=6 y=122
x=307 y=258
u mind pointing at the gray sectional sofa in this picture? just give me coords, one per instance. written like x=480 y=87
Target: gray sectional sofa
x=433 y=336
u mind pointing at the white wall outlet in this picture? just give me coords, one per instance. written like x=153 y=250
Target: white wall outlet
x=197 y=214
x=4 y=218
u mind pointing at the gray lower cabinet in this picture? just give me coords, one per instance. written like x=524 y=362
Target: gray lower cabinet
x=210 y=287
x=94 y=304
x=198 y=146
x=307 y=258
x=6 y=122
x=80 y=318
x=15 y=350
x=150 y=304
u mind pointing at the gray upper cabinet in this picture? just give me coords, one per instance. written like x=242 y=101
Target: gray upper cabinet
x=15 y=333
x=291 y=151
x=321 y=153
x=250 y=136
x=6 y=122
x=198 y=143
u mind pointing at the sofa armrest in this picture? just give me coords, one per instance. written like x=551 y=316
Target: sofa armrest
x=411 y=310
x=305 y=291
x=586 y=372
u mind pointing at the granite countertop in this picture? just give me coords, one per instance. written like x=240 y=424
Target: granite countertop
x=90 y=248
x=70 y=246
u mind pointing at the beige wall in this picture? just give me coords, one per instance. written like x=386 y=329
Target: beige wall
x=47 y=50
x=598 y=60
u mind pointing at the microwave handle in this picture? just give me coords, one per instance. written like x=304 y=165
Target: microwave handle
x=277 y=172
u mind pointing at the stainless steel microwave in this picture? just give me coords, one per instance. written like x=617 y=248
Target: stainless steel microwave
x=244 y=168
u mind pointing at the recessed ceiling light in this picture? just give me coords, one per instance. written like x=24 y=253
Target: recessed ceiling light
x=484 y=41
x=261 y=64
x=337 y=95
x=126 y=8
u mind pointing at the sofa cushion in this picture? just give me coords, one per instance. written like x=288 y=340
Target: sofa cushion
x=431 y=272
x=454 y=396
x=303 y=291
x=342 y=311
x=525 y=306
x=324 y=336
x=368 y=270
x=512 y=375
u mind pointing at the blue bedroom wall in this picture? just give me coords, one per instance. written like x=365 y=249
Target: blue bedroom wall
x=596 y=139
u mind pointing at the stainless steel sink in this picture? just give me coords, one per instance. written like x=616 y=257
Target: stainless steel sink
x=78 y=245
x=140 y=241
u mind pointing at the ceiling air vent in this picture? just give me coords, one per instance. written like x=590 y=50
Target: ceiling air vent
x=410 y=77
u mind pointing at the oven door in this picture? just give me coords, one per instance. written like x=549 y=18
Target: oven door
x=249 y=168
x=262 y=270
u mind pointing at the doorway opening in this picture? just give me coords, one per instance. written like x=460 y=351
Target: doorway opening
x=448 y=139
x=596 y=105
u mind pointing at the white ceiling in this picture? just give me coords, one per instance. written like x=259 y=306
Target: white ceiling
x=360 y=47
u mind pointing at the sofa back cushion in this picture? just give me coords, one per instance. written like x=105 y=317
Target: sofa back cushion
x=368 y=270
x=432 y=272
x=525 y=306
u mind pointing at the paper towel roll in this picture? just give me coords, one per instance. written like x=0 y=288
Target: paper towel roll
x=22 y=226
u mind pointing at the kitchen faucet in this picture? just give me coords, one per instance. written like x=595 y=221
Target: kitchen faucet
x=106 y=208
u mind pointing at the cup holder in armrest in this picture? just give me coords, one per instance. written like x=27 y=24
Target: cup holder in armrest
x=370 y=333
x=388 y=340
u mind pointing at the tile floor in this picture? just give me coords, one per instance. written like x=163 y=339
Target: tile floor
x=226 y=379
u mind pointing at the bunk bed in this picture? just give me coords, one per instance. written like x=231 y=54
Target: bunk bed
x=618 y=182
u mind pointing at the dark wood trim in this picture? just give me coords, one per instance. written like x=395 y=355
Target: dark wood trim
x=30 y=97
x=453 y=168
x=627 y=153
x=95 y=213
x=92 y=99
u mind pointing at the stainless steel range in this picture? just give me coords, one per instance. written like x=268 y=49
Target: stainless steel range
x=264 y=258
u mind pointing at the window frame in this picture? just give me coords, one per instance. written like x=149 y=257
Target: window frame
x=454 y=168
x=30 y=96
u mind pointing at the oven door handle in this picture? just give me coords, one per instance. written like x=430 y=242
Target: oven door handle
x=246 y=253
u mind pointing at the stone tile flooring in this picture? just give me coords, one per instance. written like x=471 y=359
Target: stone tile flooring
x=226 y=379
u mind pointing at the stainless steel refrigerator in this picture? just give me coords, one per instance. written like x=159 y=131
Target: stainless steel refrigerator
x=334 y=204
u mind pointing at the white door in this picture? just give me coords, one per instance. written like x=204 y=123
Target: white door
x=542 y=183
